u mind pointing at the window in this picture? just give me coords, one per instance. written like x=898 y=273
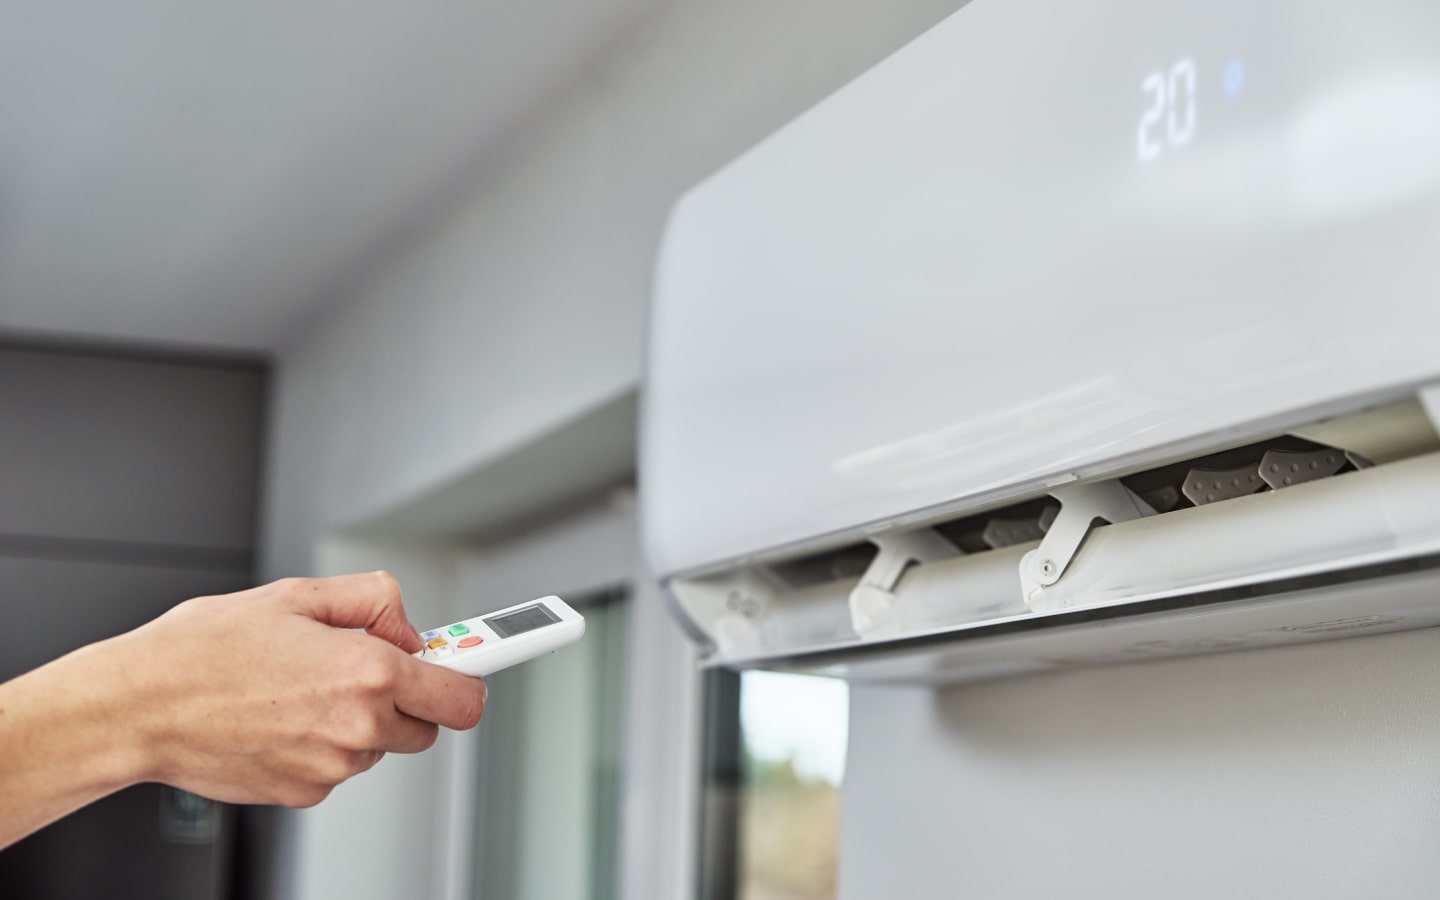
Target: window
x=775 y=759
x=547 y=813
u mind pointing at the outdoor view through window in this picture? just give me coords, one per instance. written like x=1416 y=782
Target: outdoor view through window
x=794 y=730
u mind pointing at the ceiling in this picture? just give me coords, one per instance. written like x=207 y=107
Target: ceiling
x=174 y=171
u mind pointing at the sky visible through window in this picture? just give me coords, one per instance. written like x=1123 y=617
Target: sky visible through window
x=795 y=729
x=803 y=718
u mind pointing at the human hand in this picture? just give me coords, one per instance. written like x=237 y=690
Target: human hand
x=264 y=697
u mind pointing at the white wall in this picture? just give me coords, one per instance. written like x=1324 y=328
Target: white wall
x=1308 y=771
x=526 y=305
x=520 y=310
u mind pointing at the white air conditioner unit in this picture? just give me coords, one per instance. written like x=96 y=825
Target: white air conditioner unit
x=1070 y=333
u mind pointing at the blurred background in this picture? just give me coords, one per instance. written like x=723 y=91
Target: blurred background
x=324 y=286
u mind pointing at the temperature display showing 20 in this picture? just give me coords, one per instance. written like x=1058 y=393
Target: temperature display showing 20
x=1171 y=113
x=1169 y=118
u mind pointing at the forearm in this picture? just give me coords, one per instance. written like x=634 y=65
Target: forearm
x=66 y=739
x=296 y=705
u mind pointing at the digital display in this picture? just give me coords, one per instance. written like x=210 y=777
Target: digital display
x=1171 y=110
x=1169 y=117
x=522 y=620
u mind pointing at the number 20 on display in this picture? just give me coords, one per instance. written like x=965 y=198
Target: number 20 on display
x=1169 y=118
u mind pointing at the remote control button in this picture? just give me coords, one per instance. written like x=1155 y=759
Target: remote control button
x=430 y=635
x=458 y=630
x=473 y=640
x=437 y=643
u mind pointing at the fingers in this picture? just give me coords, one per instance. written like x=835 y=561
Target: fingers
x=436 y=694
x=407 y=734
x=366 y=760
x=370 y=601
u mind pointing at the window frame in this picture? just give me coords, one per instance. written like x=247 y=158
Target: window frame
x=589 y=550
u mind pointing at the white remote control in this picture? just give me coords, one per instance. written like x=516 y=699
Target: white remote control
x=501 y=639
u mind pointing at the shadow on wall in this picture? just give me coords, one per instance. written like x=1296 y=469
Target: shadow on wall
x=1310 y=770
x=1330 y=699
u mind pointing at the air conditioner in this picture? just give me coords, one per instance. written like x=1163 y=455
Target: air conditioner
x=1071 y=333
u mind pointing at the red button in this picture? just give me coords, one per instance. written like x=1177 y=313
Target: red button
x=470 y=641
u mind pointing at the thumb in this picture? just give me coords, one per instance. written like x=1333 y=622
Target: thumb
x=369 y=600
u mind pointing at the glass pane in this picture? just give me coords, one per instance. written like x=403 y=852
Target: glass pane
x=548 y=796
x=794 y=730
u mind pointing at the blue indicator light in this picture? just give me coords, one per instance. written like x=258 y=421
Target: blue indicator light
x=1234 y=78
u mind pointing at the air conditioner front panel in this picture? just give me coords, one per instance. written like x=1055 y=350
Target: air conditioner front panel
x=1334 y=539
x=1387 y=599
x=990 y=264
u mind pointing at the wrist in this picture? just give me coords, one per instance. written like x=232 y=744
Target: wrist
x=107 y=735
x=64 y=740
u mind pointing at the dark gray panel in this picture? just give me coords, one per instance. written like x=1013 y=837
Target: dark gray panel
x=264 y=853
x=132 y=450
x=49 y=607
x=117 y=849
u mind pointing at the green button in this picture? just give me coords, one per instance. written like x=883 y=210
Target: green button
x=458 y=630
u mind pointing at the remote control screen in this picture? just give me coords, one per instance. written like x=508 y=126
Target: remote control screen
x=522 y=620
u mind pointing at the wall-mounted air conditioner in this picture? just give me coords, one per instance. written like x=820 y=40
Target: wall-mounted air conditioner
x=1070 y=333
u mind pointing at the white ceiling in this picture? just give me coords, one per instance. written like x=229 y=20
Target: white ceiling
x=204 y=173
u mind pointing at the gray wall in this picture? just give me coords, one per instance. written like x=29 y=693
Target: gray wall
x=127 y=484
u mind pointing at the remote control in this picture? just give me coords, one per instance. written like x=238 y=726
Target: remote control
x=501 y=639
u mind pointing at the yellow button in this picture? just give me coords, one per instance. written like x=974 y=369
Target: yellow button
x=436 y=643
